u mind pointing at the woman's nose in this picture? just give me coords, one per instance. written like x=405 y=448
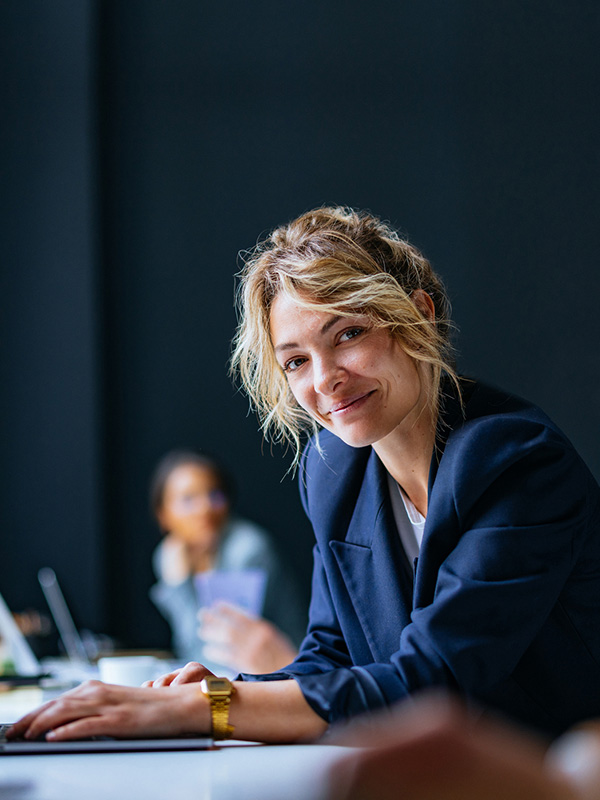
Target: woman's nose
x=327 y=375
x=199 y=504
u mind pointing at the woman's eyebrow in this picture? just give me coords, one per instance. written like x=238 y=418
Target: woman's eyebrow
x=291 y=345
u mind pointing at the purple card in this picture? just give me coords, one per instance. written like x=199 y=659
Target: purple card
x=243 y=588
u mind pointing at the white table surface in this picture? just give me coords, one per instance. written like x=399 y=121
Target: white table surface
x=231 y=771
x=235 y=772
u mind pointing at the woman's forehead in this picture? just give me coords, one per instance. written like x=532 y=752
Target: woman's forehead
x=188 y=473
x=290 y=319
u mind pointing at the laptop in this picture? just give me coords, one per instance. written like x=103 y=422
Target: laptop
x=29 y=671
x=27 y=668
x=100 y=744
x=69 y=635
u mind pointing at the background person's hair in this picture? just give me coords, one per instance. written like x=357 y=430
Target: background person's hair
x=182 y=457
x=345 y=262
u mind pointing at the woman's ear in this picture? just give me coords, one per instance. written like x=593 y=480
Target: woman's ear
x=424 y=303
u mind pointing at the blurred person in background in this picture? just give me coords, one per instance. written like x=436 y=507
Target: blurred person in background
x=191 y=496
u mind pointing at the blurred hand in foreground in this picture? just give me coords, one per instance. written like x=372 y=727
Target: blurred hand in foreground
x=433 y=749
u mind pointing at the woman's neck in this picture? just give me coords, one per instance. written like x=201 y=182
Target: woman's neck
x=200 y=559
x=407 y=457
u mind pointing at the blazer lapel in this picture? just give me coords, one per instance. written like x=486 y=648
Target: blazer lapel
x=375 y=570
x=439 y=539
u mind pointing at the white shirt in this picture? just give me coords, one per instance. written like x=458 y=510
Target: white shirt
x=409 y=521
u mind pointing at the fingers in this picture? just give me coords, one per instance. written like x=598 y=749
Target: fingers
x=224 y=636
x=163 y=680
x=83 y=701
x=101 y=709
x=223 y=614
x=191 y=673
x=225 y=625
x=211 y=629
x=174 y=562
x=232 y=613
x=242 y=642
x=19 y=728
x=79 y=729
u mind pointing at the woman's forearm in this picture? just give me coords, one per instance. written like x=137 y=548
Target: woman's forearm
x=273 y=711
x=269 y=711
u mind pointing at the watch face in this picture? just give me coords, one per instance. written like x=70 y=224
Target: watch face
x=218 y=685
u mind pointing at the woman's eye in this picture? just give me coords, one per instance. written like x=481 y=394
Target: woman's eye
x=351 y=333
x=293 y=364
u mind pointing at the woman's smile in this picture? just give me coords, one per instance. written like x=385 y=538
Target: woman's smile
x=348 y=405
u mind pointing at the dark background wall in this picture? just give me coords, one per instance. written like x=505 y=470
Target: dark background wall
x=143 y=144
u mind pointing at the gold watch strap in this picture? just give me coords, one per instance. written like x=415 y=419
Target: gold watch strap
x=219 y=710
x=219 y=692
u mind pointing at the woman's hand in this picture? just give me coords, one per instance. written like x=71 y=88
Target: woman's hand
x=242 y=642
x=193 y=672
x=100 y=709
x=173 y=561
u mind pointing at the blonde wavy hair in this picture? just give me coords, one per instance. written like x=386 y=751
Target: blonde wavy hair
x=344 y=262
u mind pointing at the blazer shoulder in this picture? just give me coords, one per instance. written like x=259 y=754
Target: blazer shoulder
x=492 y=416
x=331 y=472
x=502 y=433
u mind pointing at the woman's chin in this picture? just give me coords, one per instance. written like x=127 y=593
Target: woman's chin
x=206 y=540
x=354 y=438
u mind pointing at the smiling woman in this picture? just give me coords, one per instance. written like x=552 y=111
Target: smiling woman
x=456 y=527
x=345 y=333
x=336 y=262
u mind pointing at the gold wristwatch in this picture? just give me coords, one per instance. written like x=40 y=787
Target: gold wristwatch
x=219 y=692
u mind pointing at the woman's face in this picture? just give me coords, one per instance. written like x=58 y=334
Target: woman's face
x=194 y=508
x=354 y=380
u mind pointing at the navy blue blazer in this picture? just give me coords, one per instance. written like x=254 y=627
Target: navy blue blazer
x=503 y=603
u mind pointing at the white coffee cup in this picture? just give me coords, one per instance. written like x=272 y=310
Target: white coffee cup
x=128 y=670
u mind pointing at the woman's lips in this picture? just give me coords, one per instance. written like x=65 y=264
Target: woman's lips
x=349 y=404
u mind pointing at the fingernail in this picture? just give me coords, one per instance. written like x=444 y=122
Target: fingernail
x=51 y=735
